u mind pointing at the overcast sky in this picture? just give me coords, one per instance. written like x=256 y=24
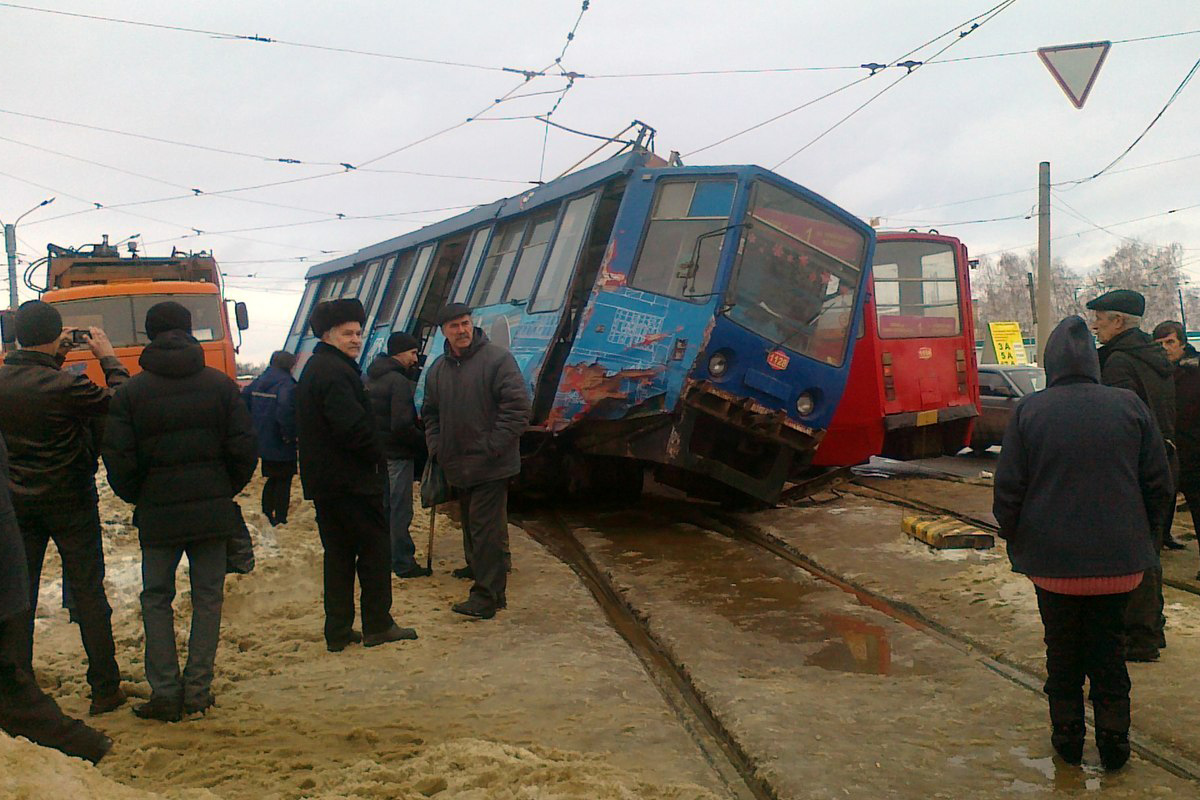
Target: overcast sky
x=948 y=133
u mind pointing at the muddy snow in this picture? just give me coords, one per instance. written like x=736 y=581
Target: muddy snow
x=544 y=701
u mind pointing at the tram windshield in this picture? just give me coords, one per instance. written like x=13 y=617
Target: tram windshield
x=797 y=274
x=916 y=289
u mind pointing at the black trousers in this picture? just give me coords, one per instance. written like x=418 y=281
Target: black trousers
x=25 y=710
x=75 y=530
x=484 y=510
x=355 y=536
x=1191 y=493
x=1083 y=639
x=277 y=490
x=1145 y=622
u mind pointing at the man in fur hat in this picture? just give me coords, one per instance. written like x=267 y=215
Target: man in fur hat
x=342 y=471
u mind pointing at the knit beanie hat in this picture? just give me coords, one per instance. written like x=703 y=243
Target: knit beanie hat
x=167 y=316
x=37 y=323
x=401 y=342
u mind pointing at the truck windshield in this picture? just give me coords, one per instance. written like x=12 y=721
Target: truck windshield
x=797 y=273
x=124 y=318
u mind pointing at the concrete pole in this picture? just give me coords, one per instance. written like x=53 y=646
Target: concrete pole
x=10 y=247
x=1045 y=304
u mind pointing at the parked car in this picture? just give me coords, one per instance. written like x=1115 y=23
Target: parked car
x=1000 y=389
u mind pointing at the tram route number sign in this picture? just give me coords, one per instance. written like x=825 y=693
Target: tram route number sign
x=1005 y=344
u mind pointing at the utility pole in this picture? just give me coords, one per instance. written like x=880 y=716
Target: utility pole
x=10 y=248
x=1045 y=309
x=1033 y=315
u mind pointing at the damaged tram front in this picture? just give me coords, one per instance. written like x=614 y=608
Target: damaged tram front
x=693 y=320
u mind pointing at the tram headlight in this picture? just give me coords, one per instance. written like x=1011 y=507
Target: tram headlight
x=718 y=365
x=805 y=404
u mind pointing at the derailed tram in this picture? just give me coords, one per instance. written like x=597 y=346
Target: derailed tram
x=693 y=320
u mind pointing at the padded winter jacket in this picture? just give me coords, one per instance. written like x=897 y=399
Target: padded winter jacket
x=475 y=409
x=49 y=417
x=271 y=398
x=339 y=449
x=179 y=445
x=1082 y=478
x=390 y=391
x=1133 y=360
x=1187 y=416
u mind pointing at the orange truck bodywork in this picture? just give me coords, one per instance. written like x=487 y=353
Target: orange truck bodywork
x=218 y=353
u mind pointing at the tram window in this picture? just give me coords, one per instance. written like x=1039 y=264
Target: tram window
x=683 y=212
x=497 y=263
x=797 y=274
x=533 y=252
x=470 y=266
x=352 y=282
x=306 y=304
x=564 y=255
x=387 y=309
x=378 y=292
x=916 y=290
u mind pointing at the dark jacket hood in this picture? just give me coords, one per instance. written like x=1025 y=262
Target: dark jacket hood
x=1071 y=354
x=382 y=365
x=1138 y=344
x=477 y=342
x=173 y=354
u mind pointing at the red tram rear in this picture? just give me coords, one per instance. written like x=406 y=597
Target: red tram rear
x=913 y=390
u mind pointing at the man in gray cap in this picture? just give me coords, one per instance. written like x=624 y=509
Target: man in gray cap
x=47 y=418
x=390 y=387
x=476 y=408
x=1131 y=359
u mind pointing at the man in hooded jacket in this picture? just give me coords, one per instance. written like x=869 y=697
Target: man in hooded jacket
x=1062 y=446
x=475 y=409
x=1131 y=359
x=343 y=473
x=179 y=445
x=390 y=387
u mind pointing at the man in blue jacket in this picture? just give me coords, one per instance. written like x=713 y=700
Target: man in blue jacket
x=272 y=401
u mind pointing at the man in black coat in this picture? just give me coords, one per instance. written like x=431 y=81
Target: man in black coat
x=476 y=408
x=1064 y=447
x=343 y=473
x=25 y=710
x=48 y=418
x=390 y=390
x=1130 y=359
x=1185 y=359
x=179 y=446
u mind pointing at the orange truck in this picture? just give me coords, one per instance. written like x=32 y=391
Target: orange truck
x=95 y=286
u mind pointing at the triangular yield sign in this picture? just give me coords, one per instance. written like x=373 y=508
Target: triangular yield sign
x=1075 y=67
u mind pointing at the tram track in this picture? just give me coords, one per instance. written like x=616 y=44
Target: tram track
x=721 y=748
x=882 y=495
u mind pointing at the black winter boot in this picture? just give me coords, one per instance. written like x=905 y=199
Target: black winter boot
x=1113 y=747
x=1068 y=741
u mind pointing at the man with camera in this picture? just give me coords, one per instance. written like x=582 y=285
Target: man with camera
x=46 y=419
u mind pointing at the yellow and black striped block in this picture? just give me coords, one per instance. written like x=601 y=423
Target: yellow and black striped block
x=946 y=533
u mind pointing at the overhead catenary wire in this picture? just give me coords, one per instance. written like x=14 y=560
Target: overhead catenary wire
x=844 y=87
x=983 y=19
x=1170 y=101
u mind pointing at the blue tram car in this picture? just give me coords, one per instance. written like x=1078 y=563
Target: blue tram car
x=694 y=320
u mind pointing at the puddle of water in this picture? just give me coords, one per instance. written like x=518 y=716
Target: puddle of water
x=756 y=593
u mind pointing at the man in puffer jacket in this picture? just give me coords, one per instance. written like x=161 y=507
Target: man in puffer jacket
x=179 y=446
x=271 y=399
x=1081 y=485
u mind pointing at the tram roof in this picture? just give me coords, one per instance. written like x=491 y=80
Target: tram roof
x=494 y=211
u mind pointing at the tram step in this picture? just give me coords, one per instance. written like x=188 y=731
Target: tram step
x=946 y=533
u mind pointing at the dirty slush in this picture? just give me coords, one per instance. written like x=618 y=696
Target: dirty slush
x=531 y=704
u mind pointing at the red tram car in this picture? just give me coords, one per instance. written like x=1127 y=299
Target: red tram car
x=913 y=390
